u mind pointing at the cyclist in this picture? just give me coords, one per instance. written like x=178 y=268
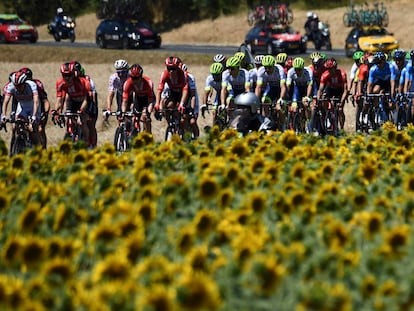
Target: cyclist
x=116 y=84
x=246 y=117
x=175 y=79
x=235 y=81
x=367 y=61
x=44 y=106
x=92 y=109
x=28 y=104
x=253 y=72
x=317 y=67
x=140 y=87
x=243 y=61
x=409 y=86
x=271 y=86
x=281 y=60
x=379 y=82
x=353 y=73
x=334 y=84
x=213 y=85
x=397 y=65
x=299 y=83
x=193 y=107
x=220 y=58
x=72 y=94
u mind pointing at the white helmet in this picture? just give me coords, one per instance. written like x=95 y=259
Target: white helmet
x=248 y=99
x=121 y=64
x=219 y=58
x=59 y=11
x=309 y=14
x=258 y=59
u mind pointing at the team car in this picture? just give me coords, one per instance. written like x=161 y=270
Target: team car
x=126 y=35
x=275 y=38
x=14 y=29
x=370 y=39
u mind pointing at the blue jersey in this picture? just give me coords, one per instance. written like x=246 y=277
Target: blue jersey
x=377 y=74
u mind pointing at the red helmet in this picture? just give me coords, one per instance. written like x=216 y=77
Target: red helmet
x=135 y=71
x=18 y=78
x=331 y=63
x=172 y=61
x=289 y=62
x=67 y=68
x=28 y=72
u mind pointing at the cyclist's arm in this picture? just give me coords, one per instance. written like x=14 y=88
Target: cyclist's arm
x=5 y=104
x=282 y=89
x=35 y=104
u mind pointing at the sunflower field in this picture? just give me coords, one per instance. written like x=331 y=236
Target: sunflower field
x=264 y=222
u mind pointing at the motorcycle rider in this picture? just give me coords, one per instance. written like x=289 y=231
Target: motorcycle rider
x=311 y=25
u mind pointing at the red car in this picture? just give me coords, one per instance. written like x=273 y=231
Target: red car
x=14 y=29
x=274 y=38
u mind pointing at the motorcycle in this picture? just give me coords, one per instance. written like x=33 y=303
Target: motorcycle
x=321 y=37
x=63 y=29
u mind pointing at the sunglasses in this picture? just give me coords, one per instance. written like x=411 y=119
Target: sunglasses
x=268 y=67
x=67 y=75
x=135 y=78
x=171 y=68
x=122 y=72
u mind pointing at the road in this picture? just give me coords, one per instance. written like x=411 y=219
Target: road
x=187 y=48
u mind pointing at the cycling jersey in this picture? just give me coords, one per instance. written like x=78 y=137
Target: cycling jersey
x=377 y=74
x=176 y=83
x=24 y=98
x=304 y=79
x=336 y=80
x=193 y=87
x=272 y=81
x=235 y=84
x=77 y=91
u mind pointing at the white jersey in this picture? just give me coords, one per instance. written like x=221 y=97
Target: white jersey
x=193 y=87
x=116 y=84
x=24 y=98
x=236 y=84
x=303 y=80
x=212 y=84
x=273 y=79
x=353 y=71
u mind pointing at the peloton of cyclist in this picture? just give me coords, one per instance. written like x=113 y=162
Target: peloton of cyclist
x=116 y=84
x=28 y=104
x=409 y=85
x=235 y=80
x=213 y=88
x=334 y=83
x=72 y=94
x=317 y=67
x=44 y=106
x=139 y=87
x=175 y=79
x=271 y=86
x=253 y=72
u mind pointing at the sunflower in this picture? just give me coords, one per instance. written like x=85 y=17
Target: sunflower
x=367 y=171
x=409 y=183
x=204 y=222
x=397 y=238
x=133 y=246
x=208 y=187
x=30 y=218
x=156 y=298
x=11 y=251
x=197 y=292
x=256 y=201
x=368 y=285
x=156 y=269
x=4 y=201
x=34 y=251
x=113 y=267
x=58 y=267
x=147 y=209
x=289 y=139
x=268 y=272
x=145 y=177
x=185 y=239
x=104 y=232
x=17 y=162
x=225 y=198
x=388 y=288
x=239 y=148
x=197 y=258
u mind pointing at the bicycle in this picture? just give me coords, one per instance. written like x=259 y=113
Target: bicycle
x=278 y=117
x=21 y=140
x=296 y=119
x=128 y=128
x=70 y=121
x=173 y=118
x=222 y=117
x=381 y=114
x=330 y=120
x=402 y=103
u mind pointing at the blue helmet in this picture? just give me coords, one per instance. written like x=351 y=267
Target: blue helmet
x=399 y=54
x=380 y=56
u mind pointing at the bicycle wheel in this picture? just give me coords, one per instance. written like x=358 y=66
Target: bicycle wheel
x=19 y=145
x=329 y=123
x=120 y=142
x=169 y=132
x=298 y=124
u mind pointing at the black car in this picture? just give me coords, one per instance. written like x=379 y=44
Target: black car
x=274 y=38
x=126 y=34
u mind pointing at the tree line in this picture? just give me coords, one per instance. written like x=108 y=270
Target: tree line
x=164 y=14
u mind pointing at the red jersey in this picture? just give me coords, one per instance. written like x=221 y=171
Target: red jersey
x=78 y=90
x=363 y=72
x=335 y=80
x=177 y=84
x=143 y=89
x=317 y=72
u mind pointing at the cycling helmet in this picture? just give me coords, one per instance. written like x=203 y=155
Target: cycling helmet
x=331 y=63
x=135 y=71
x=357 y=55
x=298 y=63
x=399 y=54
x=268 y=61
x=412 y=54
x=323 y=56
x=315 y=55
x=121 y=64
x=216 y=68
x=258 y=59
x=233 y=62
x=281 y=58
x=59 y=11
x=28 y=72
x=67 y=68
x=309 y=14
x=78 y=68
x=172 y=61
x=240 y=55
x=18 y=78
x=248 y=99
x=380 y=56
x=219 y=58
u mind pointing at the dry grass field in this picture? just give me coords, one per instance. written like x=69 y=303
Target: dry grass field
x=221 y=31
